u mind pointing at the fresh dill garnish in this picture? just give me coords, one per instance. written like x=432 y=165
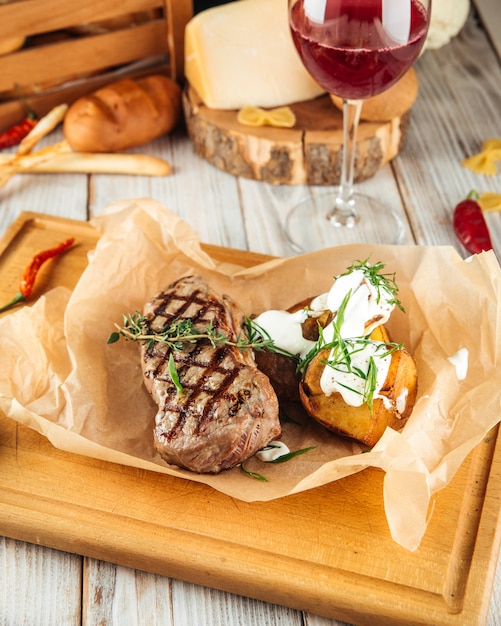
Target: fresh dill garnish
x=253 y=474
x=342 y=350
x=382 y=282
x=281 y=459
x=321 y=342
x=370 y=383
x=341 y=353
x=174 y=374
x=341 y=356
x=290 y=455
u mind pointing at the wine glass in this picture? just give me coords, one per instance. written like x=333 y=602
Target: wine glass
x=354 y=49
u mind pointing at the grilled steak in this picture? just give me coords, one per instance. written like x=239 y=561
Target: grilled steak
x=227 y=409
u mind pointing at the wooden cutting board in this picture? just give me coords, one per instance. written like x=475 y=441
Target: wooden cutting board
x=309 y=153
x=327 y=550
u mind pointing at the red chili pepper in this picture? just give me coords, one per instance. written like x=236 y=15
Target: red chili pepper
x=31 y=271
x=14 y=135
x=470 y=226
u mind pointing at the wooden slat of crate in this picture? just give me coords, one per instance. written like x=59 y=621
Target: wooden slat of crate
x=31 y=17
x=178 y=15
x=79 y=57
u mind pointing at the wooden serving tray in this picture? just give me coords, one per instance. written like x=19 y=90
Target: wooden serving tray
x=327 y=550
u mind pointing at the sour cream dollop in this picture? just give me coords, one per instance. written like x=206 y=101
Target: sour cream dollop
x=460 y=361
x=285 y=330
x=367 y=306
x=274 y=450
x=351 y=382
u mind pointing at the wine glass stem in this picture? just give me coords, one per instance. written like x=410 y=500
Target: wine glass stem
x=344 y=212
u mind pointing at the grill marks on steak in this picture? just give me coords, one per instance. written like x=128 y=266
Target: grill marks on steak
x=227 y=410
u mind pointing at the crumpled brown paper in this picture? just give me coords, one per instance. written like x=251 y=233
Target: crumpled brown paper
x=60 y=377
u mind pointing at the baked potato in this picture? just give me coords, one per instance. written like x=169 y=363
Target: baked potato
x=391 y=406
x=352 y=378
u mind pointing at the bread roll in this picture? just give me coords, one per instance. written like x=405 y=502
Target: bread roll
x=123 y=115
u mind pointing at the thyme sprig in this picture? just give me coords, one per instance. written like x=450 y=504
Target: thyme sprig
x=381 y=281
x=179 y=332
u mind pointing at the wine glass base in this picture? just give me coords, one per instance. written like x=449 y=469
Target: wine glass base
x=308 y=227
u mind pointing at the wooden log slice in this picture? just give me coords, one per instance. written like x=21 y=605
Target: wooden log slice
x=308 y=153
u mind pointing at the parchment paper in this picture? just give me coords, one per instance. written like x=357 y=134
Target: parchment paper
x=60 y=377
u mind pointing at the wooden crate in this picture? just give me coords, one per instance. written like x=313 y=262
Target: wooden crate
x=74 y=48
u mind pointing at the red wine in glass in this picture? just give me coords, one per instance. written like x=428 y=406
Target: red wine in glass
x=355 y=49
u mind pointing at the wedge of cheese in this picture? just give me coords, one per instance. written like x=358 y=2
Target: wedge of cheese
x=242 y=54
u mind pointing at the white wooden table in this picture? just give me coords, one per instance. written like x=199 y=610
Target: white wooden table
x=459 y=106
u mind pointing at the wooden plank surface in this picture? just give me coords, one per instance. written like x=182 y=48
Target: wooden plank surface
x=270 y=551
